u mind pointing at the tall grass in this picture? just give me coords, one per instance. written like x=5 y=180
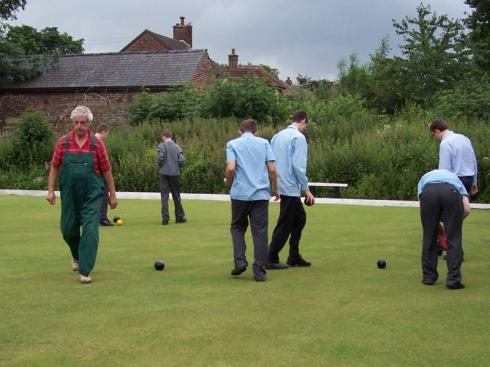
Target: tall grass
x=379 y=157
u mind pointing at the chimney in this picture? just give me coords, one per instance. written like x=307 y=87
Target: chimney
x=183 y=32
x=289 y=81
x=232 y=59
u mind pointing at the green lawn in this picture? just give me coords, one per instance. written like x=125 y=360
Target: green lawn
x=342 y=311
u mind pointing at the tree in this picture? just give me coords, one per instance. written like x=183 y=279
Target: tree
x=9 y=7
x=47 y=41
x=25 y=51
x=479 y=24
x=353 y=76
x=435 y=54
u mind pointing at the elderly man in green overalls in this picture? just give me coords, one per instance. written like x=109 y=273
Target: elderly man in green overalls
x=84 y=167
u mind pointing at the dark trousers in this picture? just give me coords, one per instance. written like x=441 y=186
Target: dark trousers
x=103 y=207
x=441 y=202
x=290 y=224
x=258 y=213
x=171 y=184
x=467 y=182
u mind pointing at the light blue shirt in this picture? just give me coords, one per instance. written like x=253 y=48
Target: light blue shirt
x=291 y=151
x=456 y=154
x=441 y=175
x=251 y=179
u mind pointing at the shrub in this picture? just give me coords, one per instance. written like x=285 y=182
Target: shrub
x=33 y=141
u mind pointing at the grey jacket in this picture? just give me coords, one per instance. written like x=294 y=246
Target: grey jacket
x=170 y=158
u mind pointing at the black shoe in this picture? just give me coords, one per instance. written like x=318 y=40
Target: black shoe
x=182 y=220
x=276 y=266
x=106 y=223
x=164 y=222
x=238 y=270
x=297 y=261
x=457 y=285
x=261 y=278
x=429 y=282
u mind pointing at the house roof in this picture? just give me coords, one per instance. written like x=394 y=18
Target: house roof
x=131 y=70
x=269 y=78
x=166 y=42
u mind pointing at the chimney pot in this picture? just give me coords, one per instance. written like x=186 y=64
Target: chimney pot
x=182 y=20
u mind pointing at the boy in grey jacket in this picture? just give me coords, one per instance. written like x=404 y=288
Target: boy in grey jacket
x=170 y=161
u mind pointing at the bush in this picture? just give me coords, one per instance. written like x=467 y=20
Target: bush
x=33 y=141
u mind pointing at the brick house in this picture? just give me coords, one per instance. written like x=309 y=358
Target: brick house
x=107 y=82
x=151 y=41
x=235 y=70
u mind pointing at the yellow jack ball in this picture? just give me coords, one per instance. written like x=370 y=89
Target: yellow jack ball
x=119 y=222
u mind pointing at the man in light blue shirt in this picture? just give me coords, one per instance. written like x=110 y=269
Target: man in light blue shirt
x=456 y=155
x=291 y=151
x=442 y=197
x=250 y=162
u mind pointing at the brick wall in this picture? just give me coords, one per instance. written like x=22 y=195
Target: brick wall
x=205 y=74
x=145 y=43
x=108 y=107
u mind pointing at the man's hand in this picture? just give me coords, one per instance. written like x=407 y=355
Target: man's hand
x=113 y=201
x=275 y=193
x=310 y=199
x=51 y=198
x=473 y=190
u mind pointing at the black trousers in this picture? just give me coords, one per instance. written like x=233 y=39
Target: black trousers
x=171 y=184
x=258 y=212
x=290 y=224
x=441 y=202
x=103 y=207
x=467 y=182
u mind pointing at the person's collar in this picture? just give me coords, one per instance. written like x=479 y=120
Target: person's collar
x=246 y=133
x=293 y=126
x=447 y=134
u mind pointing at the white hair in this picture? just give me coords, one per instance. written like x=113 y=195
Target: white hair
x=82 y=111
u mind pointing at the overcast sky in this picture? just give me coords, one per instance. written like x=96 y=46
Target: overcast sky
x=307 y=37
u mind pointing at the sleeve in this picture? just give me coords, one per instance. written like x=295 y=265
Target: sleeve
x=161 y=154
x=475 y=177
x=57 y=158
x=445 y=157
x=299 y=160
x=230 y=153
x=104 y=163
x=269 y=154
x=180 y=158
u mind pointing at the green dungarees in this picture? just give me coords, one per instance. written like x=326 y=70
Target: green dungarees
x=81 y=194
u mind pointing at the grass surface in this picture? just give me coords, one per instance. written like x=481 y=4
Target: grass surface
x=342 y=311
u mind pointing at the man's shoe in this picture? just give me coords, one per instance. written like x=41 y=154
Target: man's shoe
x=297 y=261
x=238 y=270
x=164 y=222
x=74 y=264
x=275 y=266
x=429 y=282
x=182 y=220
x=457 y=285
x=85 y=279
x=106 y=223
x=261 y=278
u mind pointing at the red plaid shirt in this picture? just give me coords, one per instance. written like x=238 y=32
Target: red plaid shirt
x=101 y=159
